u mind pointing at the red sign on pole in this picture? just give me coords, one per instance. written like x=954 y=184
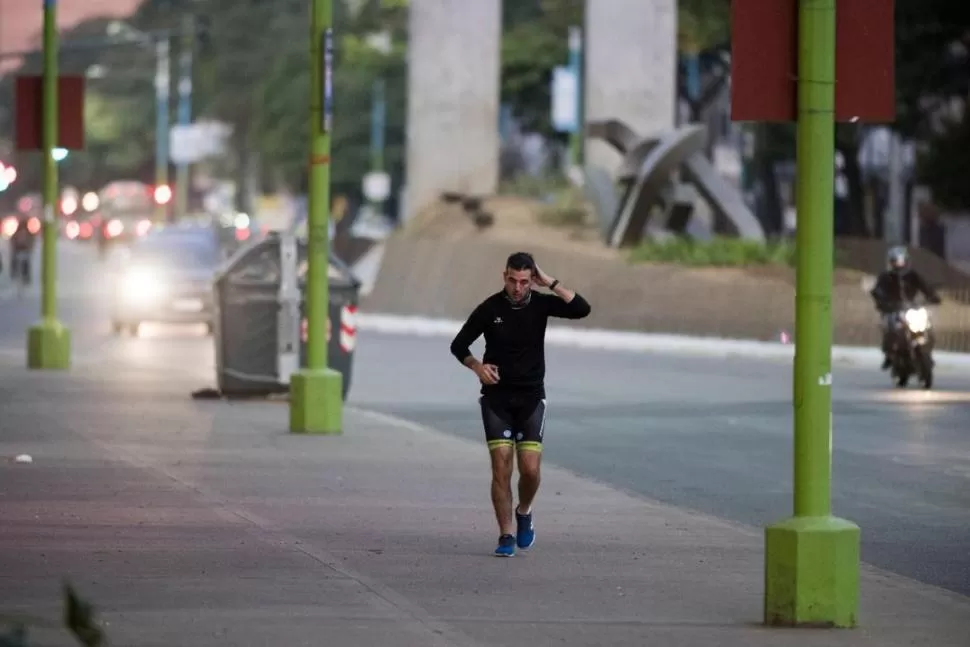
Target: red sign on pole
x=30 y=111
x=764 y=60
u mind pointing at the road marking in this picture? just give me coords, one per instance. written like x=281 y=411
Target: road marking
x=645 y=342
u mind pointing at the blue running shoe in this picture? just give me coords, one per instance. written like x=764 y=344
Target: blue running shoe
x=506 y=546
x=526 y=532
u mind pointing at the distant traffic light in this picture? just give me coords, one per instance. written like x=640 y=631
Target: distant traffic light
x=163 y=194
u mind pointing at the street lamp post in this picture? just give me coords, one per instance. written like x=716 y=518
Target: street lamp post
x=184 y=110
x=163 y=66
x=49 y=341
x=162 y=83
x=316 y=392
x=576 y=68
x=376 y=185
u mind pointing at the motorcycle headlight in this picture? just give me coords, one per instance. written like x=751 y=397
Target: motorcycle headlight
x=917 y=319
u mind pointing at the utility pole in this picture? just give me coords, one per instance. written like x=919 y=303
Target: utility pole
x=812 y=558
x=184 y=110
x=378 y=120
x=49 y=341
x=316 y=392
x=894 y=221
x=576 y=67
x=162 y=83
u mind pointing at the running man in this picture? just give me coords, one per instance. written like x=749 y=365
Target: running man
x=513 y=396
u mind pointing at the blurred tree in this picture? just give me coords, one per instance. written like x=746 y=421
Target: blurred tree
x=929 y=68
x=933 y=81
x=251 y=72
x=281 y=123
x=119 y=110
x=535 y=42
x=703 y=24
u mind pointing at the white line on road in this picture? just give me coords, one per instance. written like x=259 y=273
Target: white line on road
x=645 y=342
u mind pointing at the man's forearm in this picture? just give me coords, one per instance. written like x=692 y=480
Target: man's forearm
x=563 y=292
x=471 y=362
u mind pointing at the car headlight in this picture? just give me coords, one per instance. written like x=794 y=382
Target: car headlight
x=917 y=319
x=142 y=286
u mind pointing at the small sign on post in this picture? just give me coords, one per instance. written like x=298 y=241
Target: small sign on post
x=29 y=95
x=764 y=61
x=565 y=88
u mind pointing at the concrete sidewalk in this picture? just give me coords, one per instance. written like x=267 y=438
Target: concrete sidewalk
x=197 y=524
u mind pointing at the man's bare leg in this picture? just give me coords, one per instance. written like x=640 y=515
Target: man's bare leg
x=502 y=463
x=530 y=461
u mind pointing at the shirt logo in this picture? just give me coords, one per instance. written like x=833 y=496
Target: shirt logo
x=498 y=320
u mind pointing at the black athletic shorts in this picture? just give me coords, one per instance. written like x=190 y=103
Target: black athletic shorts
x=514 y=420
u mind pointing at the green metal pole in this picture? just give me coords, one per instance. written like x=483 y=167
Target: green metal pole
x=316 y=393
x=319 y=199
x=815 y=136
x=49 y=267
x=812 y=559
x=48 y=341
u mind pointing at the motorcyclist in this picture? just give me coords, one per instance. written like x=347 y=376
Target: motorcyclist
x=897 y=285
x=21 y=251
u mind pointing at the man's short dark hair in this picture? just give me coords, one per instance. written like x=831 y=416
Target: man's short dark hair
x=521 y=261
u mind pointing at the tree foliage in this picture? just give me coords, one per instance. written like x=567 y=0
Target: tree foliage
x=252 y=72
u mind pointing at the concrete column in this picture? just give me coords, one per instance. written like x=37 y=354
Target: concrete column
x=631 y=68
x=453 y=99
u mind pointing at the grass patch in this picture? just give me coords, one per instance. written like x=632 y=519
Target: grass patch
x=717 y=252
x=566 y=208
x=537 y=187
x=563 y=215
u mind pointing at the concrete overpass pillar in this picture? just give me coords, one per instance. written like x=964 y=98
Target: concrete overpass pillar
x=454 y=66
x=631 y=68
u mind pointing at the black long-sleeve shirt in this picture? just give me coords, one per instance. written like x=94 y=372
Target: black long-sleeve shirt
x=515 y=337
x=892 y=289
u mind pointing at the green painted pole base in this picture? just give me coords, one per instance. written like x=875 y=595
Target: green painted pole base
x=812 y=572
x=316 y=402
x=49 y=346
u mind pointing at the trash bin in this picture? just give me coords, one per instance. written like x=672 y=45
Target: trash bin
x=260 y=324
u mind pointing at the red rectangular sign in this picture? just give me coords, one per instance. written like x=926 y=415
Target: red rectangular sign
x=763 y=56
x=764 y=60
x=30 y=106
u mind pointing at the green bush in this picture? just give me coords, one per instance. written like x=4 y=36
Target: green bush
x=717 y=252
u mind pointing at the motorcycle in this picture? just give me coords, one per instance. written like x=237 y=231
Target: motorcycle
x=912 y=341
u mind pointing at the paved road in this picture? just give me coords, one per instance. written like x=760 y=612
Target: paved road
x=712 y=435
x=81 y=301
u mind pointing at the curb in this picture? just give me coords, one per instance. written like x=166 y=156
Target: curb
x=600 y=339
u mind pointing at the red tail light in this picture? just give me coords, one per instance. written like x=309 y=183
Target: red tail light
x=33 y=225
x=142 y=227
x=72 y=230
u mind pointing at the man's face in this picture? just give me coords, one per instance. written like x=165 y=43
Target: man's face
x=517 y=283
